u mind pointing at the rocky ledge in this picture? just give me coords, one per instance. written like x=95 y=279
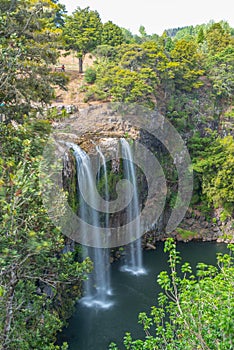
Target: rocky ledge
x=196 y=227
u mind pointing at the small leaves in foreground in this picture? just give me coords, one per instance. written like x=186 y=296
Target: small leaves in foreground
x=192 y=313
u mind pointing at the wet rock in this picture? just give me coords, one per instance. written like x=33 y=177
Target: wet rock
x=117 y=254
x=190 y=222
x=48 y=291
x=150 y=246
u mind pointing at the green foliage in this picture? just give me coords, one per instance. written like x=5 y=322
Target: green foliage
x=216 y=165
x=111 y=34
x=188 y=74
x=191 y=81
x=105 y=52
x=200 y=36
x=38 y=283
x=166 y=42
x=90 y=75
x=123 y=85
x=186 y=234
x=82 y=32
x=142 y=31
x=224 y=215
x=213 y=164
x=217 y=38
x=28 y=44
x=128 y=36
x=59 y=15
x=194 y=312
x=185 y=33
x=54 y=114
x=221 y=70
x=230 y=114
x=188 y=70
x=133 y=75
x=197 y=145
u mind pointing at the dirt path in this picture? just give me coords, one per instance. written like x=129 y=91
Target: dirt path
x=73 y=95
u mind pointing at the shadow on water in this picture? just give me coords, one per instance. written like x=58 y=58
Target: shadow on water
x=93 y=328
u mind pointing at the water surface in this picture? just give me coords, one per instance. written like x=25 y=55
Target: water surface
x=94 y=329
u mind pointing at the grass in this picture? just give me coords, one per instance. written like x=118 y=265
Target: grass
x=186 y=234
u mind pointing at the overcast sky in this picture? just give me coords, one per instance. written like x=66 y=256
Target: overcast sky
x=157 y=15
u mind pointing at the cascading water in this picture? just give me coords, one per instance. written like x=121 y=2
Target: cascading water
x=97 y=287
x=133 y=259
x=106 y=251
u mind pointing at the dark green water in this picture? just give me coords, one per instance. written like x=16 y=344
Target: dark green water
x=94 y=329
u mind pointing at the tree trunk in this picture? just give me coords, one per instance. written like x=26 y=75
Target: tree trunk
x=80 y=64
x=9 y=309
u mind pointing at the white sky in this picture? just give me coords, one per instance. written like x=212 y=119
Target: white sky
x=157 y=15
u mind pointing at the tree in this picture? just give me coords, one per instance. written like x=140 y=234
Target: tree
x=128 y=36
x=188 y=69
x=146 y=55
x=129 y=86
x=105 y=52
x=149 y=55
x=130 y=56
x=123 y=85
x=216 y=165
x=220 y=71
x=166 y=42
x=59 y=16
x=111 y=34
x=200 y=36
x=28 y=41
x=38 y=282
x=142 y=31
x=82 y=32
x=194 y=312
x=217 y=38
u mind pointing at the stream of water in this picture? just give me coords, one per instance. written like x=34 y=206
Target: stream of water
x=133 y=258
x=97 y=288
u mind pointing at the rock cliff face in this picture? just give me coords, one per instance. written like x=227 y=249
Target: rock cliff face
x=98 y=126
x=207 y=230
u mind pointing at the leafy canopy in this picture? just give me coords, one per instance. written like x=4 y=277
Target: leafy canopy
x=216 y=165
x=28 y=48
x=82 y=32
x=111 y=34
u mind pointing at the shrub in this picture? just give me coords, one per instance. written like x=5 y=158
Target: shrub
x=90 y=75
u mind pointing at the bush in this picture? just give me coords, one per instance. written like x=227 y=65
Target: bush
x=193 y=312
x=90 y=75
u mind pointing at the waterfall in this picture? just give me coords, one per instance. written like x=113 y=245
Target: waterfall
x=97 y=287
x=133 y=258
x=106 y=252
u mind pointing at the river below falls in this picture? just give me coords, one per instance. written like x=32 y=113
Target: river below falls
x=91 y=328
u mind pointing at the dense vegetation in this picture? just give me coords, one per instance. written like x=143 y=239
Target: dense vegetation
x=37 y=276
x=39 y=279
x=194 y=312
x=187 y=74
x=188 y=77
x=28 y=41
